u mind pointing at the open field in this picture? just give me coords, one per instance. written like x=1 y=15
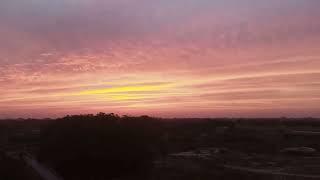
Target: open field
x=198 y=148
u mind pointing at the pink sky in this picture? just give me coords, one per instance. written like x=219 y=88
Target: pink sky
x=169 y=58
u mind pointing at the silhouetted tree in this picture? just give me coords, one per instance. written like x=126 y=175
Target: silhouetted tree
x=102 y=146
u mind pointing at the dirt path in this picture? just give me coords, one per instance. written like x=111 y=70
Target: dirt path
x=43 y=171
x=270 y=172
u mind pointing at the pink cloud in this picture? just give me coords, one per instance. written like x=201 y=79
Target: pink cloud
x=219 y=57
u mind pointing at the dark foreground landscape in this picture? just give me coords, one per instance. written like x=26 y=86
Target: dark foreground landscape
x=107 y=146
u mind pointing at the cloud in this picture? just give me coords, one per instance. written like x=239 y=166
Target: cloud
x=171 y=56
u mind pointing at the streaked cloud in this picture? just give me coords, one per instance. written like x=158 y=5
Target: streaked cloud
x=166 y=58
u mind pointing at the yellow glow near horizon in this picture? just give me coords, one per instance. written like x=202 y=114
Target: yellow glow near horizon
x=124 y=89
x=127 y=92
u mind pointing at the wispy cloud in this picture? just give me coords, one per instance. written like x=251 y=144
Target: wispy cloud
x=168 y=57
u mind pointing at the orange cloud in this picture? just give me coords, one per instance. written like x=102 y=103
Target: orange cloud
x=167 y=58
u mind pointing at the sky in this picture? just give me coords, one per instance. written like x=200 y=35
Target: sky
x=168 y=58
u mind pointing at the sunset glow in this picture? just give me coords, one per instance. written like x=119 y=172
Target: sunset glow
x=168 y=58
